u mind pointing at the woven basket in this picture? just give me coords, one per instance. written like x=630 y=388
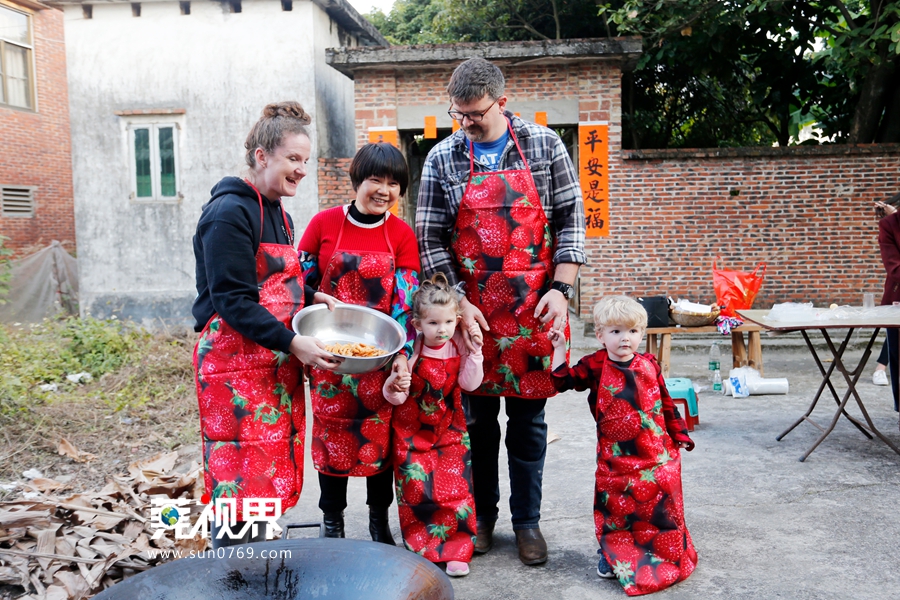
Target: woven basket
x=692 y=319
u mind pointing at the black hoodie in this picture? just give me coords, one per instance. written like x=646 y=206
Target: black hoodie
x=225 y=245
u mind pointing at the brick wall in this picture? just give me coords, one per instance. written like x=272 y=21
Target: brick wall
x=335 y=188
x=805 y=211
x=36 y=148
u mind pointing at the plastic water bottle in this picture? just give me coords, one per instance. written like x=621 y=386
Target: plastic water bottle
x=717 y=381
x=715 y=355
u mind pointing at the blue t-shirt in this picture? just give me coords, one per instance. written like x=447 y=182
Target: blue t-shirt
x=489 y=153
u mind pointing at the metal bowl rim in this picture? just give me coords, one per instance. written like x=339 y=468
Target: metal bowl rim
x=354 y=307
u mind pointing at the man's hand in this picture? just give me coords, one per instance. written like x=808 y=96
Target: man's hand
x=557 y=309
x=472 y=315
x=311 y=351
x=323 y=298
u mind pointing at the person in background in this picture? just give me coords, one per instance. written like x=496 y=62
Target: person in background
x=431 y=454
x=879 y=377
x=361 y=254
x=638 y=501
x=889 y=243
x=500 y=209
x=247 y=360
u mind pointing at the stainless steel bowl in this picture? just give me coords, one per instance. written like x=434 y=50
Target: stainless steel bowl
x=347 y=324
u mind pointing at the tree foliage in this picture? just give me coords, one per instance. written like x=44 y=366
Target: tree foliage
x=713 y=72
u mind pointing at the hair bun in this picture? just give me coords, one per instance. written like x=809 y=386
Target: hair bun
x=290 y=109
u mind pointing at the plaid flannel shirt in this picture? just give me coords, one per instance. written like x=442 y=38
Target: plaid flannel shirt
x=446 y=174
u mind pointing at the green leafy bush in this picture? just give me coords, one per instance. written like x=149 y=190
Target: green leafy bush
x=47 y=352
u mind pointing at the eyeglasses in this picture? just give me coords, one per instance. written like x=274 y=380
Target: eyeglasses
x=475 y=117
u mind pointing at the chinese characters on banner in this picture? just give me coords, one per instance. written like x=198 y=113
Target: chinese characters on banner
x=593 y=173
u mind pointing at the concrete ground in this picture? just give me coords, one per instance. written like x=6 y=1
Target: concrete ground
x=764 y=524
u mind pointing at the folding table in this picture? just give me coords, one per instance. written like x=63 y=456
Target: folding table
x=850 y=376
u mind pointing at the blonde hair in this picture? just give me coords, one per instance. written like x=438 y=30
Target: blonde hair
x=619 y=310
x=436 y=291
x=276 y=121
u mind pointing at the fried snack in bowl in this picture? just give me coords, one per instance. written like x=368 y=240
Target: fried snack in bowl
x=356 y=349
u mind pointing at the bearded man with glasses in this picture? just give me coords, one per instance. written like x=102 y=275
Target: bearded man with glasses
x=500 y=211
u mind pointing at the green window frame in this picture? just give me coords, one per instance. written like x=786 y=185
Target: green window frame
x=154 y=161
x=16 y=59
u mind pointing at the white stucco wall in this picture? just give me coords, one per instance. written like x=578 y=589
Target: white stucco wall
x=135 y=257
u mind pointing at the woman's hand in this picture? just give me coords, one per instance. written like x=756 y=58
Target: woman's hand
x=311 y=351
x=323 y=298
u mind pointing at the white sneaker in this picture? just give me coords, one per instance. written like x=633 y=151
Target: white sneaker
x=879 y=377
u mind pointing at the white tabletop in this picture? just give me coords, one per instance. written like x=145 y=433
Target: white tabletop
x=883 y=317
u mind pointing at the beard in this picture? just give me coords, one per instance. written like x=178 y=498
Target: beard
x=474 y=132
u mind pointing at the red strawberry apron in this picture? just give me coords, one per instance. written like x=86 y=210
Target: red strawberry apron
x=503 y=245
x=252 y=409
x=432 y=464
x=351 y=419
x=638 y=503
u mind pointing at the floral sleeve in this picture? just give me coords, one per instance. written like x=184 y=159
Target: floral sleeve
x=406 y=281
x=309 y=266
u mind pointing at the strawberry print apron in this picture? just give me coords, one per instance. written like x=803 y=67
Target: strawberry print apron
x=351 y=419
x=504 y=249
x=638 y=502
x=252 y=408
x=432 y=464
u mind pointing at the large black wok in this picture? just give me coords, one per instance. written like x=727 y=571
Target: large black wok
x=335 y=569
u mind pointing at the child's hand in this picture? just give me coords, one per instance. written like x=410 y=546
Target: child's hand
x=400 y=378
x=557 y=337
x=476 y=335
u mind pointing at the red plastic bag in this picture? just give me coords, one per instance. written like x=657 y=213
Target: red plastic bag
x=736 y=290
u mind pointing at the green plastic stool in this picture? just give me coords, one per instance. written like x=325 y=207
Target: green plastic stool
x=681 y=389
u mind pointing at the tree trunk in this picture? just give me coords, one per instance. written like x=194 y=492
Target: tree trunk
x=872 y=99
x=890 y=125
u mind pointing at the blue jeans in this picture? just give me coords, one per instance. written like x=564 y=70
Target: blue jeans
x=893 y=345
x=526 y=447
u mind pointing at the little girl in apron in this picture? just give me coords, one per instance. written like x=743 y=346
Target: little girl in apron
x=432 y=462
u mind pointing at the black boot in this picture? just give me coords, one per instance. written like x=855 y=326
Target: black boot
x=380 y=527
x=334 y=524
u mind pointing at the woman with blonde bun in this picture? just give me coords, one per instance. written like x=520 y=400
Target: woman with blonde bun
x=247 y=361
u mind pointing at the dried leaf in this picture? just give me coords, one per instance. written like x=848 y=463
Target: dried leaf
x=12 y=576
x=24 y=518
x=46 y=544
x=75 y=584
x=145 y=470
x=55 y=592
x=42 y=484
x=65 y=448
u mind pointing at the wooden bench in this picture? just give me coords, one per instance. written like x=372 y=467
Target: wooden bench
x=659 y=342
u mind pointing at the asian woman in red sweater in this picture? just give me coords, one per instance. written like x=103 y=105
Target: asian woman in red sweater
x=361 y=254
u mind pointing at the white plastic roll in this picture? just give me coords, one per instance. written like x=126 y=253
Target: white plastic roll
x=760 y=387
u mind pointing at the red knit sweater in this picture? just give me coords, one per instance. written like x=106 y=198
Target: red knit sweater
x=322 y=232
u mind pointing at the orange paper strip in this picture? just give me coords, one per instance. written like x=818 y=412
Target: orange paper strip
x=430 y=128
x=593 y=173
x=540 y=118
x=384 y=135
